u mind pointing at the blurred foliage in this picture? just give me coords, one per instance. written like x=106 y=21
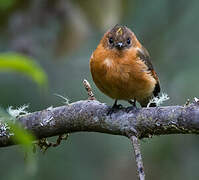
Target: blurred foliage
x=19 y=136
x=6 y=4
x=23 y=64
x=61 y=35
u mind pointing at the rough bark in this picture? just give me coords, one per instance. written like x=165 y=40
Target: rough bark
x=92 y=116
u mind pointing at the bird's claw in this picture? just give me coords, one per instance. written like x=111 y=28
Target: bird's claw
x=117 y=106
x=114 y=108
x=131 y=109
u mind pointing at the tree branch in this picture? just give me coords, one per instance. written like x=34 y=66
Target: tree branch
x=92 y=116
x=138 y=157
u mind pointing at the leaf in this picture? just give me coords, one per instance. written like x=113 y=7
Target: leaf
x=6 y=4
x=23 y=64
x=21 y=136
x=25 y=139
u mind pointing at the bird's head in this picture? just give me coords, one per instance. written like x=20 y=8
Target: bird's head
x=119 y=38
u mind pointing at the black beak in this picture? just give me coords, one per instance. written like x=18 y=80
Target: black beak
x=119 y=45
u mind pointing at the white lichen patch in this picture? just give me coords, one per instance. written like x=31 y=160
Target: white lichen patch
x=196 y=99
x=5 y=129
x=47 y=117
x=20 y=111
x=46 y=120
x=66 y=100
x=14 y=113
x=159 y=100
x=50 y=108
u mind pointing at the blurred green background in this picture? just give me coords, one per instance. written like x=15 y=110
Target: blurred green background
x=57 y=37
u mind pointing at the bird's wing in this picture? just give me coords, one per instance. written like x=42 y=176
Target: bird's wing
x=143 y=54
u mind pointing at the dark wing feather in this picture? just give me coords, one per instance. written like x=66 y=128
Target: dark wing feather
x=156 y=90
x=143 y=54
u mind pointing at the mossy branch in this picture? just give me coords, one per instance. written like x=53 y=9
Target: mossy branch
x=91 y=116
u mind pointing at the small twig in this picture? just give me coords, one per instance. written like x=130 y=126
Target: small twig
x=134 y=139
x=59 y=139
x=44 y=144
x=138 y=157
x=89 y=90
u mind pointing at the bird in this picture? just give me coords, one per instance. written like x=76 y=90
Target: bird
x=122 y=69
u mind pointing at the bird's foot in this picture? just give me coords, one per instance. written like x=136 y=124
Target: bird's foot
x=132 y=102
x=131 y=109
x=114 y=109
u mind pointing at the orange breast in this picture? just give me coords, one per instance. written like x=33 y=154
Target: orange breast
x=121 y=75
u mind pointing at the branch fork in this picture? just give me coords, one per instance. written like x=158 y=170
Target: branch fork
x=91 y=116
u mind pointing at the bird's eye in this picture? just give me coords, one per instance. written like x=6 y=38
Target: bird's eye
x=110 y=40
x=128 y=41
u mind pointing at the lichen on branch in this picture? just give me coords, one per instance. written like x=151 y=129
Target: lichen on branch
x=91 y=116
